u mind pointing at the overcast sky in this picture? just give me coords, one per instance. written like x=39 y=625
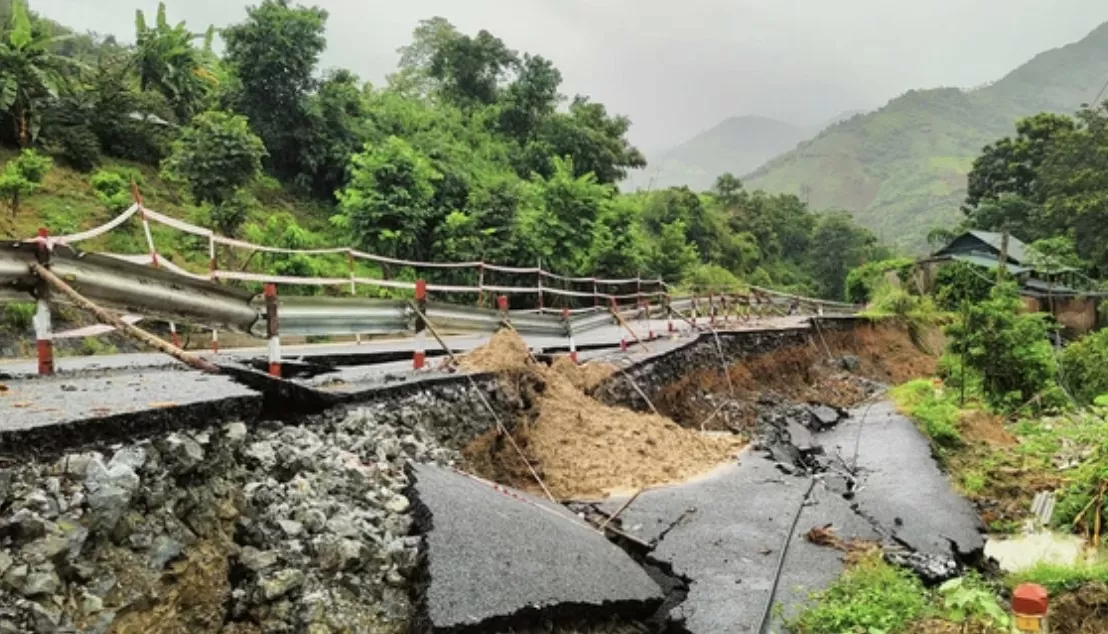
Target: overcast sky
x=677 y=67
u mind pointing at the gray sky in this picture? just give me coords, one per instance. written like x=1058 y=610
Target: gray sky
x=677 y=67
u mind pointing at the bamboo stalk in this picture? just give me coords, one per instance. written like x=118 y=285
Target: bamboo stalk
x=109 y=319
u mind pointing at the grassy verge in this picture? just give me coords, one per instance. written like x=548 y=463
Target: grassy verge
x=873 y=597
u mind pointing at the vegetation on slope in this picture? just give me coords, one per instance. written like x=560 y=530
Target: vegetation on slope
x=469 y=152
x=902 y=169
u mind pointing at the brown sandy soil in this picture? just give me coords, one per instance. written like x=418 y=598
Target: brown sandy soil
x=581 y=447
x=985 y=428
x=802 y=374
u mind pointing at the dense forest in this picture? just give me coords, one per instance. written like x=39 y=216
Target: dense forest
x=468 y=151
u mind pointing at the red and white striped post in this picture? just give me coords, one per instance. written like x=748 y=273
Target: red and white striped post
x=595 y=294
x=353 y=287
x=693 y=311
x=649 y=321
x=273 y=330
x=419 y=357
x=44 y=332
x=215 y=341
x=540 y=288
x=173 y=335
x=622 y=331
x=669 y=314
x=480 y=284
x=726 y=307
x=569 y=334
x=211 y=256
x=711 y=310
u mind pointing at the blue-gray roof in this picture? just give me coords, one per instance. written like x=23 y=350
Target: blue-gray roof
x=1018 y=252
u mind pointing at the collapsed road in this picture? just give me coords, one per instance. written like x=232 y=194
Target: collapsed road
x=358 y=515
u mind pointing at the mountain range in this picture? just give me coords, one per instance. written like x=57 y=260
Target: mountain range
x=900 y=169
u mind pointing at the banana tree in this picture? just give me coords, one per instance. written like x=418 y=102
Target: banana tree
x=30 y=73
x=166 y=61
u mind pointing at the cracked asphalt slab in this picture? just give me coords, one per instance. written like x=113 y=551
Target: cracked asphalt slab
x=900 y=486
x=495 y=556
x=724 y=533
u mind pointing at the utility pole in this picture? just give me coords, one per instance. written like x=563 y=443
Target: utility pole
x=1003 y=256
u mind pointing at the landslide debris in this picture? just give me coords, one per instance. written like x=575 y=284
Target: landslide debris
x=581 y=447
x=238 y=530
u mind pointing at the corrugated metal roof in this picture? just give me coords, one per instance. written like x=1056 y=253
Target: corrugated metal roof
x=990 y=263
x=1017 y=251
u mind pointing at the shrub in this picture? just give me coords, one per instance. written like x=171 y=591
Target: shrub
x=20 y=315
x=711 y=278
x=1008 y=347
x=1060 y=578
x=872 y=597
x=863 y=281
x=112 y=189
x=934 y=411
x=91 y=346
x=960 y=282
x=22 y=176
x=1085 y=367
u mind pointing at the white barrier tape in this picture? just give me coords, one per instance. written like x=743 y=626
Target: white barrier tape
x=511 y=269
x=452 y=289
x=93 y=331
x=279 y=279
x=179 y=225
x=362 y=255
x=163 y=263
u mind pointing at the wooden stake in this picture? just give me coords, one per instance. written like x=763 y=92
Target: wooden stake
x=621 y=509
x=107 y=318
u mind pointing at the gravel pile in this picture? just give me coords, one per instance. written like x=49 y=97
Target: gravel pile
x=276 y=529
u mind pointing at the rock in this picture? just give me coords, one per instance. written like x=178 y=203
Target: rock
x=291 y=528
x=263 y=453
x=16 y=577
x=164 y=550
x=336 y=554
x=103 y=623
x=28 y=524
x=5 y=562
x=110 y=492
x=46 y=548
x=75 y=536
x=68 y=387
x=91 y=604
x=183 y=453
x=46 y=619
x=76 y=464
x=281 y=583
x=257 y=560
x=343 y=526
x=5 y=485
x=850 y=363
x=235 y=433
x=398 y=504
x=43 y=582
x=132 y=457
x=42 y=503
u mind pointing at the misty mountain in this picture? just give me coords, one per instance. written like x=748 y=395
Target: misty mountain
x=737 y=145
x=902 y=168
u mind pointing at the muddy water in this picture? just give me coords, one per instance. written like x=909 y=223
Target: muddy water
x=1020 y=552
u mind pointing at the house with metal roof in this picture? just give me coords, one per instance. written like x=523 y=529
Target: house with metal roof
x=1060 y=290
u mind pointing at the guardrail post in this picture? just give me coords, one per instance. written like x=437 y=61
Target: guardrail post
x=540 y=286
x=502 y=306
x=623 y=333
x=595 y=294
x=272 y=330
x=480 y=284
x=726 y=308
x=215 y=341
x=353 y=287
x=694 y=311
x=173 y=335
x=569 y=334
x=711 y=310
x=420 y=355
x=649 y=321
x=44 y=335
x=669 y=313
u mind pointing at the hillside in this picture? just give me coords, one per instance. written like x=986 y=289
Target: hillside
x=736 y=145
x=902 y=169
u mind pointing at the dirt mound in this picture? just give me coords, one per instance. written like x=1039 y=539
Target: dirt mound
x=982 y=427
x=581 y=447
x=583 y=377
x=505 y=351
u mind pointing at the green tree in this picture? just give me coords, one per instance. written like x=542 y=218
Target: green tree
x=468 y=70
x=215 y=156
x=166 y=60
x=22 y=176
x=671 y=255
x=596 y=140
x=273 y=55
x=30 y=74
x=1007 y=347
x=558 y=227
x=412 y=78
x=618 y=245
x=837 y=246
x=112 y=190
x=387 y=204
x=335 y=129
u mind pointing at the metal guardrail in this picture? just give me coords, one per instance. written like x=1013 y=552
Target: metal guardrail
x=133 y=287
